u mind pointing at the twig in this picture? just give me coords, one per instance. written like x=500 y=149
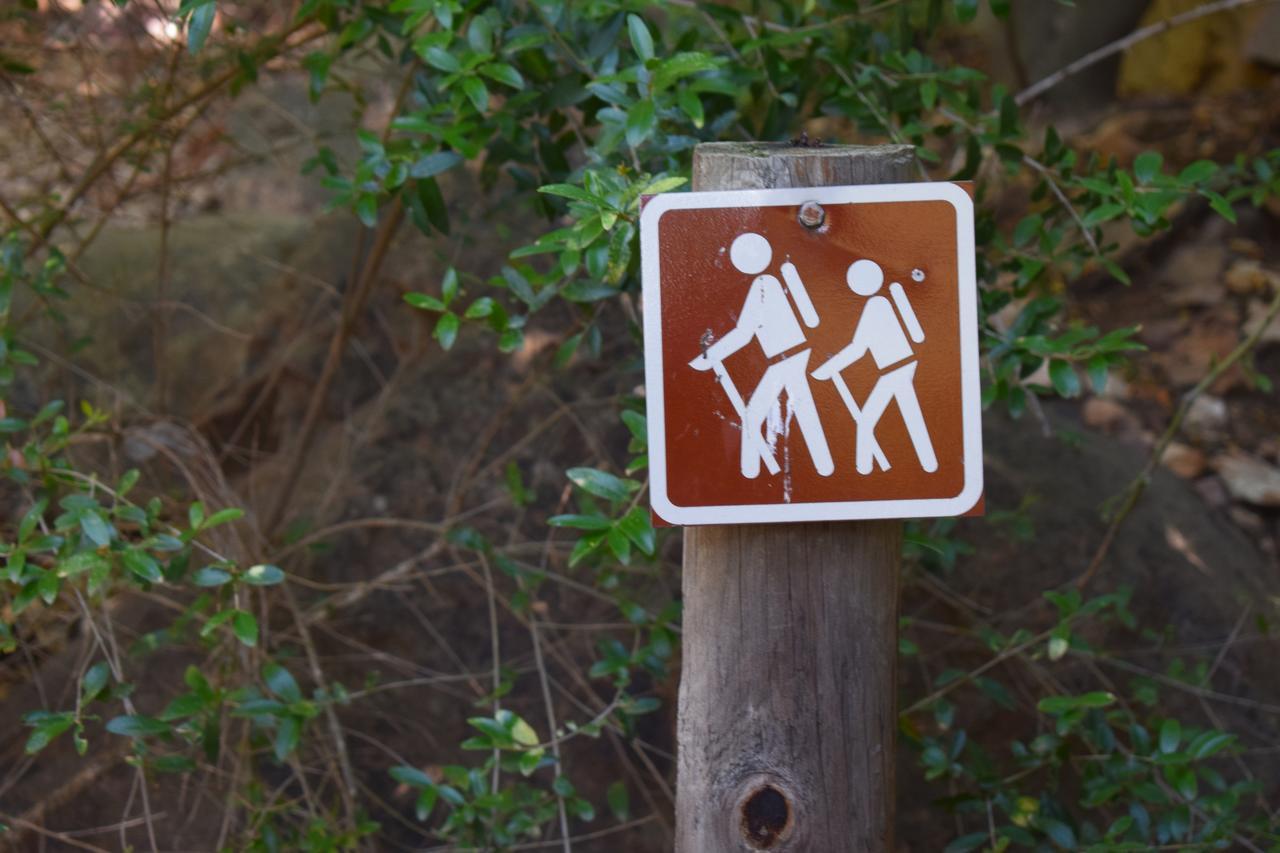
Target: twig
x=1093 y=57
x=353 y=308
x=1139 y=484
x=551 y=725
x=496 y=651
x=1037 y=166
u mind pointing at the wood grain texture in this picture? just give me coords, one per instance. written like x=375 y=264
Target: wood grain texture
x=788 y=708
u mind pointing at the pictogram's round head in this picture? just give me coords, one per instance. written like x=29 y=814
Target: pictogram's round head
x=750 y=253
x=864 y=277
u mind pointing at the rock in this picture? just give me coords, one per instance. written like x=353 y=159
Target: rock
x=1263 y=44
x=1247 y=276
x=1249 y=479
x=1212 y=491
x=1248 y=248
x=1193 y=352
x=1195 y=273
x=1107 y=415
x=1207 y=419
x=1162 y=331
x=1248 y=520
x=1184 y=460
x=1117 y=387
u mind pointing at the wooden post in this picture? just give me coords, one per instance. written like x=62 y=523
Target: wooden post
x=788 y=691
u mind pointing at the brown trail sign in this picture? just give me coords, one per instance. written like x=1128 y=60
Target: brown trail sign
x=811 y=356
x=812 y=371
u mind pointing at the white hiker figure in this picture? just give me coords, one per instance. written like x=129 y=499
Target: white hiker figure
x=880 y=332
x=767 y=317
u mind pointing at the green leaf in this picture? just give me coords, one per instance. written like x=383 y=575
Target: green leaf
x=619 y=544
x=137 y=726
x=1102 y=213
x=245 y=627
x=1170 y=736
x=47 y=587
x=1064 y=378
x=367 y=210
x=143 y=565
x=199 y=25
x=637 y=526
x=425 y=301
x=966 y=10
x=641 y=40
x=95 y=528
x=602 y=484
x=223 y=516
x=195 y=515
x=641 y=119
x=286 y=740
x=523 y=733
x=479 y=309
x=619 y=801
x=438 y=57
x=77 y=564
x=1059 y=833
x=435 y=163
x=449 y=285
x=263 y=574
x=411 y=776
x=581 y=522
x=569 y=191
x=95 y=678
x=447 y=329
x=281 y=682
x=691 y=105
x=477 y=92
x=480 y=35
x=1207 y=744
x=1198 y=172
x=929 y=93
x=505 y=74
x=47 y=728
x=662 y=185
x=680 y=66
x=1098 y=373
x=1062 y=704
x=211 y=576
x=426 y=802
x=1147 y=166
x=1221 y=206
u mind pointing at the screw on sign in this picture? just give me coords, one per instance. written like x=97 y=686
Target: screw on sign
x=811 y=354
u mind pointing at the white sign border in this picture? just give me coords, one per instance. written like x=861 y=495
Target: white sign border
x=970 y=395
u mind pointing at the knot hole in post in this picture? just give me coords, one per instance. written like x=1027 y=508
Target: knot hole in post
x=766 y=817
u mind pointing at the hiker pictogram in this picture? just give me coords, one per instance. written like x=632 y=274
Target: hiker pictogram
x=882 y=332
x=782 y=394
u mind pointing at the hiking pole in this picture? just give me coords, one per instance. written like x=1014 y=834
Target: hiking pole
x=877 y=455
x=735 y=399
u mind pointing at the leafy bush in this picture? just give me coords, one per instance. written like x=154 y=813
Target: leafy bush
x=573 y=111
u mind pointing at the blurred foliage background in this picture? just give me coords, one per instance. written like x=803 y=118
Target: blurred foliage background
x=325 y=523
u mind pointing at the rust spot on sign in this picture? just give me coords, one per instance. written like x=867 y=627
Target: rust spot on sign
x=766 y=816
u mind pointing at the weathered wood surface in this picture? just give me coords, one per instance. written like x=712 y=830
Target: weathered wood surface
x=787 y=693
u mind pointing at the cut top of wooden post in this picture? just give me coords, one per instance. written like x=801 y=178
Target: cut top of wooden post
x=772 y=165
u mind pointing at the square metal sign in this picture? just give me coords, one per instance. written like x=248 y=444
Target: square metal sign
x=811 y=354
